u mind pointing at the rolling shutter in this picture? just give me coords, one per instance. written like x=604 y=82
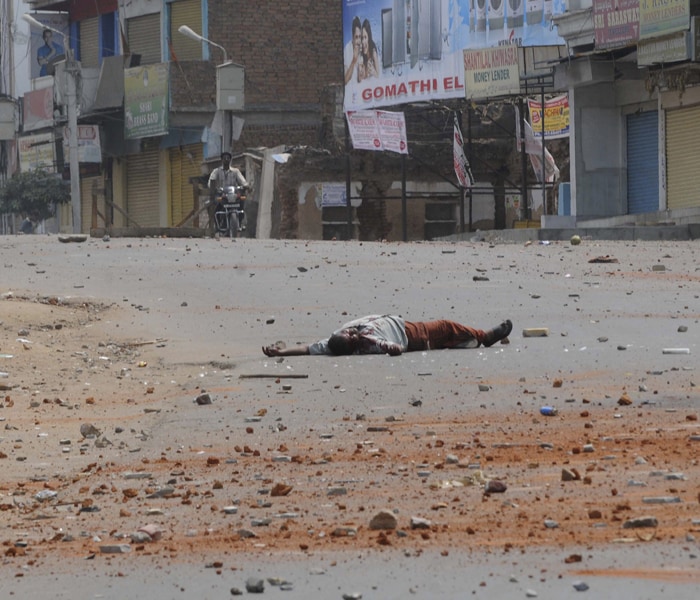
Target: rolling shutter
x=682 y=134
x=186 y=12
x=643 y=162
x=142 y=188
x=144 y=38
x=185 y=163
x=89 y=42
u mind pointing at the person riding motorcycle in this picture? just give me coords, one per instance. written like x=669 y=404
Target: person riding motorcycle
x=221 y=178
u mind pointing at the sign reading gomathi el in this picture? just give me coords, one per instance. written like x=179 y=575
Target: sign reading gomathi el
x=490 y=72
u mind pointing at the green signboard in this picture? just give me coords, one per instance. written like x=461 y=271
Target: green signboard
x=146 y=101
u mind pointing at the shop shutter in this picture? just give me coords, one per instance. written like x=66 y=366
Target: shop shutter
x=88 y=186
x=144 y=38
x=186 y=12
x=142 y=188
x=185 y=163
x=89 y=42
x=682 y=134
x=643 y=162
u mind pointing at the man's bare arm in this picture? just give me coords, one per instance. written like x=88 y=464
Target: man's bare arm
x=273 y=350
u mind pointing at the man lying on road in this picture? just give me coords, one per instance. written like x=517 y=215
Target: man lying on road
x=391 y=334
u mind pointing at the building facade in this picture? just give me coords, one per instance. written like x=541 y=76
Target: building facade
x=151 y=94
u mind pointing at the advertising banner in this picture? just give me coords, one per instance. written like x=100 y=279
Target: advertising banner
x=401 y=51
x=616 y=23
x=146 y=101
x=45 y=46
x=37 y=152
x=38 y=109
x=89 y=149
x=491 y=72
x=556 y=117
x=657 y=18
x=378 y=130
x=462 y=168
x=534 y=149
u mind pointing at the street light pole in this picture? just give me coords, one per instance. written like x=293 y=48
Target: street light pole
x=186 y=31
x=71 y=93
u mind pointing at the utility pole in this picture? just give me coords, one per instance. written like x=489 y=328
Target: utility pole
x=72 y=71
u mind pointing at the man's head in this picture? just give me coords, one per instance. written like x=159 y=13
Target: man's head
x=356 y=32
x=343 y=342
x=226 y=158
x=47 y=34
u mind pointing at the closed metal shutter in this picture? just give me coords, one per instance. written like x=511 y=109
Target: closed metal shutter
x=88 y=187
x=142 y=188
x=144 y=38
x=682 y=134
x=643 y=162
x=185 y=163
x=90 y=42
x=186 y=12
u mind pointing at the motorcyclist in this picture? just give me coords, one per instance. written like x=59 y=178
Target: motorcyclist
x=221 y=178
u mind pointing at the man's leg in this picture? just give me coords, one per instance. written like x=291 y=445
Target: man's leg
x=435 y=335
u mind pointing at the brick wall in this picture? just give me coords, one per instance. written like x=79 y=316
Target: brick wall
x=290 y=49
x=191 y=84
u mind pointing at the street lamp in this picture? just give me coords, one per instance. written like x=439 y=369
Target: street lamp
x=186 y=31
x=72 y=70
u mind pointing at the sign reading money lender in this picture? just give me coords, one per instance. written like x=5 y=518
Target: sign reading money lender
x=146 y=101
x=490 y=72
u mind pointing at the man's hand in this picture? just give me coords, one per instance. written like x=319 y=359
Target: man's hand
x=275 y=350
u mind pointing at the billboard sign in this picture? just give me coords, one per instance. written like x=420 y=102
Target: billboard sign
x=401 y=51
x=616 y=23
x=46 y=47
x=662 y=18
x=89 y=149
x=37 y=152
x=490 y=72
x=38 y=109
x=146 y=101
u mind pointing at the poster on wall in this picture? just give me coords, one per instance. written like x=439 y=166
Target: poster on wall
x=378 y=130
x=555 y=122
x=46 y=47
x=400 y=51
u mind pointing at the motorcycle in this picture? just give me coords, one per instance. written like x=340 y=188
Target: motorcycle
x=229 y=215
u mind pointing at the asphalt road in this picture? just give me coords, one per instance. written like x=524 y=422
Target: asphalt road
x=217 y=302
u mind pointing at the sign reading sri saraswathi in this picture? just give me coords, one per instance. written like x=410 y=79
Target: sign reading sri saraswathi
x=146 y=101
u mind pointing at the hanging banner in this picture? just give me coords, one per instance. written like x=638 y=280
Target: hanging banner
x=378 y=130
x=462 y=168
x=534 y=149
x=556 y=117
x=146 y=101
x=402 y=51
